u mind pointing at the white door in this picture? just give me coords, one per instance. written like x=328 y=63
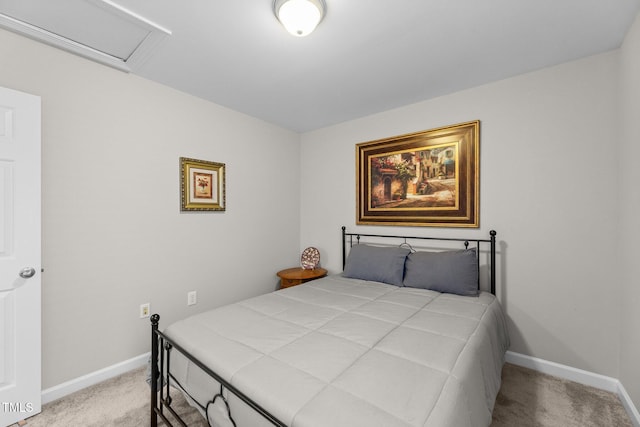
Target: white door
x=20 y=384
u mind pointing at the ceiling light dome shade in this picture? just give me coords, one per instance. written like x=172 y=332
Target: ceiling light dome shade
x=299 y=17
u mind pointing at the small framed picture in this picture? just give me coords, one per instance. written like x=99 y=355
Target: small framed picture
x=202 y=185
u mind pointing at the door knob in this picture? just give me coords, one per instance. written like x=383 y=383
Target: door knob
x=27 y=272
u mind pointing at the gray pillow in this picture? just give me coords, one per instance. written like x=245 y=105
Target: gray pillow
x=454 y=272
x=378 y=264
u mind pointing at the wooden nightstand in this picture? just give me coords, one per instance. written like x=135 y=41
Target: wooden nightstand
x=295 y=276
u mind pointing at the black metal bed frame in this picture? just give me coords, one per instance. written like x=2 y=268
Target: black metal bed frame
x=161 y=347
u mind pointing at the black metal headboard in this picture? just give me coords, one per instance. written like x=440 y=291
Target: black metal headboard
x=348 y=239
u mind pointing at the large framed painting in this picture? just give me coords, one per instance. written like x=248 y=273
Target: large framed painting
x=428 y=178
x=202 y=185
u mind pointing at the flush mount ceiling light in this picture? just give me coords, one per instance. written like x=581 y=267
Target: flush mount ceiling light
x=299 y=17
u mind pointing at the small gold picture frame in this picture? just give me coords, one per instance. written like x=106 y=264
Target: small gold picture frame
x=202 y=185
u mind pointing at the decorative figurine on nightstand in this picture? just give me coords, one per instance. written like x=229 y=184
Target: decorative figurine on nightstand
x=310 y=259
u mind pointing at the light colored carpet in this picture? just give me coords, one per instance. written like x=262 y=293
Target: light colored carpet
x=526 y=399
x=530 y=399
x=122 y=401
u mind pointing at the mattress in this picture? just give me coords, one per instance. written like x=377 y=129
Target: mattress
x=348 y=352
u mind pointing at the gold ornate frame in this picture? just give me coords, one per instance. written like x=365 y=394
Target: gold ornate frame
x=202 y=185
x=428 y=178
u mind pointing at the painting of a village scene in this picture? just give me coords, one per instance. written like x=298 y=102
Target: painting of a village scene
x=428 y=178
x=415 y=179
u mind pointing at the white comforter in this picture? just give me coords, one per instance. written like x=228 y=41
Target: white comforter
x=346 y=352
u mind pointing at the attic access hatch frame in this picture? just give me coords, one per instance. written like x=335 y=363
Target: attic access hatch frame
x=150 y=34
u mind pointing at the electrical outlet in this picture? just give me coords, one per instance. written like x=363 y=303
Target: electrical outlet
x=191 y=298
x=145 y=310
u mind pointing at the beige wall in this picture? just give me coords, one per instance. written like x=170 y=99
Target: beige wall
x=629 y=232
x=548 y=186
x=113 y=234
x=554 y=183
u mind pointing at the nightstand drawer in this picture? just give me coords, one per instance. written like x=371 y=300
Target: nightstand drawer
x=285 y=283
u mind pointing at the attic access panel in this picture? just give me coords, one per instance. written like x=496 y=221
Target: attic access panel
x=100 y=30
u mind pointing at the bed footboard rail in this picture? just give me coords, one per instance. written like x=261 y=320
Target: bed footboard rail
x=161 y=379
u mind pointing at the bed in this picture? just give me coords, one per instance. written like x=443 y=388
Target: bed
x=399 y=338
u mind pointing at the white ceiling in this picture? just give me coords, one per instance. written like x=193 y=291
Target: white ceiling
x=366 y=56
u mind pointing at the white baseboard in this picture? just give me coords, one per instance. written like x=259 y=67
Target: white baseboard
x=61 y=390
x=580 y=376
x=562 y=371
x=628 y=405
